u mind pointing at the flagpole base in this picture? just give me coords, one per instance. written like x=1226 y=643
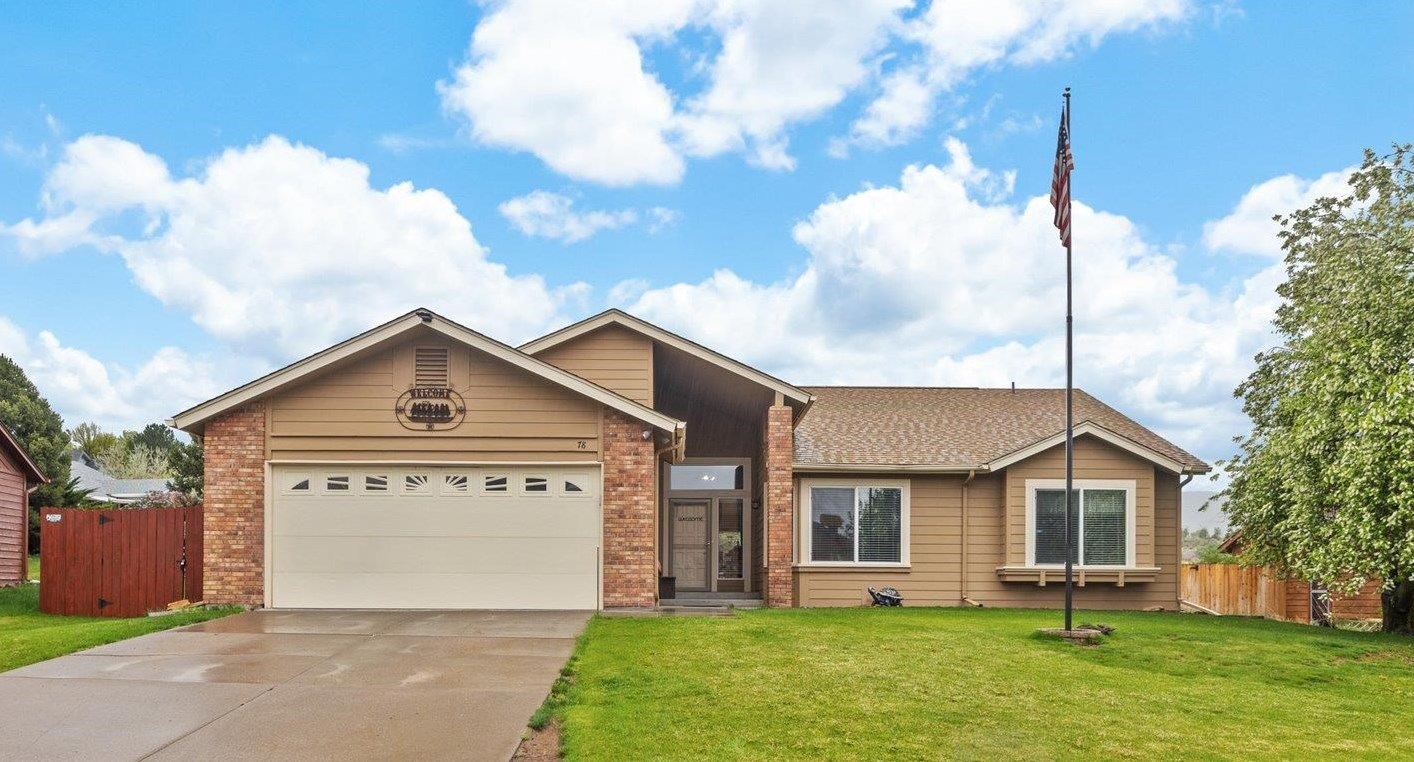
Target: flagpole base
x=1079 y=636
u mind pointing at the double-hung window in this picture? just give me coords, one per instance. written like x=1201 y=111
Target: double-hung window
x=1101 y=523
x=856 y=523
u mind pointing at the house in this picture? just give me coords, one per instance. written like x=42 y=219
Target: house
x=1310 y=602
x=18 y=477
x=107 y=489
x=424 y=465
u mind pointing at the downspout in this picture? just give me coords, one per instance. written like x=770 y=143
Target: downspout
x=965 y=539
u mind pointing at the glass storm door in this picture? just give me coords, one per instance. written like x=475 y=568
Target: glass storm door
x=691 y=542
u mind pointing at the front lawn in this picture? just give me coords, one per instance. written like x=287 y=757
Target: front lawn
x=28 y=636
x=978 y=684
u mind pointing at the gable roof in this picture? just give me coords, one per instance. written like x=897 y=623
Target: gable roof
x=419 y=318
x=638 y=325
x=961 y=429
x=17 y=452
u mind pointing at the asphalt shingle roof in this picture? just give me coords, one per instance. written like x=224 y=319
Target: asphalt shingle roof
x=950 y=427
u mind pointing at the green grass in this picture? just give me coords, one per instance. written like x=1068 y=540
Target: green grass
x=979 y=684
x=28 y=636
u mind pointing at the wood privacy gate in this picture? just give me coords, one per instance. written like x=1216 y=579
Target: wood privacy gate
x=123 y=562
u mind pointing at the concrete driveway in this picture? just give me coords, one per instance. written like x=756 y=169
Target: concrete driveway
x=295 y=685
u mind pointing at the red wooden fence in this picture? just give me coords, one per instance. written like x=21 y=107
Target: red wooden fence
x=123 y=562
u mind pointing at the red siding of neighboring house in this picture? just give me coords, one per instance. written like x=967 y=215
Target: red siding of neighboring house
x=13 y=535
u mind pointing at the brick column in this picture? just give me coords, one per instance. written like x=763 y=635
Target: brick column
x=234 y=512
x=779 y=447
x=630 y=506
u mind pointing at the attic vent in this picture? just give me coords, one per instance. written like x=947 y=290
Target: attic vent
x=430 y=367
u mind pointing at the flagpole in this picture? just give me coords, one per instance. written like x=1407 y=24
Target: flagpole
x=1069 y=379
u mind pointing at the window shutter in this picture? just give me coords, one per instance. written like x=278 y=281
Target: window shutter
x=1105 y=527
x=430 y=367
x=880 y=529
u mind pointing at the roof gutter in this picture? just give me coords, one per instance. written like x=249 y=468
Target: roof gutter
x=876 y=468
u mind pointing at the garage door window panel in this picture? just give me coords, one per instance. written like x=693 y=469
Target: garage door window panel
x=297 y=483
x=417 y=484
x=375 y=483
x=495 y=484
x=456 y=484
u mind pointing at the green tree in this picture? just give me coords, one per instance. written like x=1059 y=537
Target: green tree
x=187 y=464
x=40 y=430
x=1212 y=553
x=155 y=436
x=135 y=461
x=1323 y=486
x=93 y=440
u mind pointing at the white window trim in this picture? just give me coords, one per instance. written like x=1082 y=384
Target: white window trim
x=905 y=513
x=1130 y=487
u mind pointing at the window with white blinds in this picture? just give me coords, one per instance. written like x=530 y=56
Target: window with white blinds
x=430 y=367
x=1100 y=526
x=861 y=524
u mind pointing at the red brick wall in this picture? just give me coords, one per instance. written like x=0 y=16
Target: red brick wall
x=235 y=507
x=630 y=508
x=779 y=493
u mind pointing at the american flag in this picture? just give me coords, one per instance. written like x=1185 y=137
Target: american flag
x=1060 y=180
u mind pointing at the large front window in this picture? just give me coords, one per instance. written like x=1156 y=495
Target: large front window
x=1101 y=525
x=857 y=523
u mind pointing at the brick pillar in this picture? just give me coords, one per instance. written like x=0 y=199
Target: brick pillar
x=630 y=506
x=234 y=512
x=779 y=448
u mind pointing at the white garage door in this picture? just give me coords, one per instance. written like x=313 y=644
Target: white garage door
x=435 y=537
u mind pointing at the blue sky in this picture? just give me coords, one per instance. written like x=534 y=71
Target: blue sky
x=1184 y=111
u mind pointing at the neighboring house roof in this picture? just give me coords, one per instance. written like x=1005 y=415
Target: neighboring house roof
x=962 y=429
x=1233 y=543
x=107 y=489
x=21 y=458
x=197 y=416
x=621 y=318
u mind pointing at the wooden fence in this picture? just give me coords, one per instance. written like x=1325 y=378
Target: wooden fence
x=1235 y=590
x=123 y=562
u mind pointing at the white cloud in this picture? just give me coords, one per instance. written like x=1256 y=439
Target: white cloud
x=567 y=82
x=277 y=249
x=82 y=388
x=1250 y=229
x=551 y=215
x=782 y=62
x=573 y=83
x=941 y=279
x=661 y=218
x=954 y=38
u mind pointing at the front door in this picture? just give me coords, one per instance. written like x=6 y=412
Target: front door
x=691 y=542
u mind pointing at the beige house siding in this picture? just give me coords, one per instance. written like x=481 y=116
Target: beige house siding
x=612 y=357
x=512 y=415
x=1093 y=460
x=996 y=536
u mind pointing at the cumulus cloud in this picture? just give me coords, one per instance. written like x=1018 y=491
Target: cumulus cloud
x=277 y=249
x=567 y=82
x=1250 y=229
x=945 y=279
x=596 y=110
x=781 y=62
x=551 y=215
x=954 y=38
x=83 y=388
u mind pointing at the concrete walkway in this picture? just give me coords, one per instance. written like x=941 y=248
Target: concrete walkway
x=289 y=685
